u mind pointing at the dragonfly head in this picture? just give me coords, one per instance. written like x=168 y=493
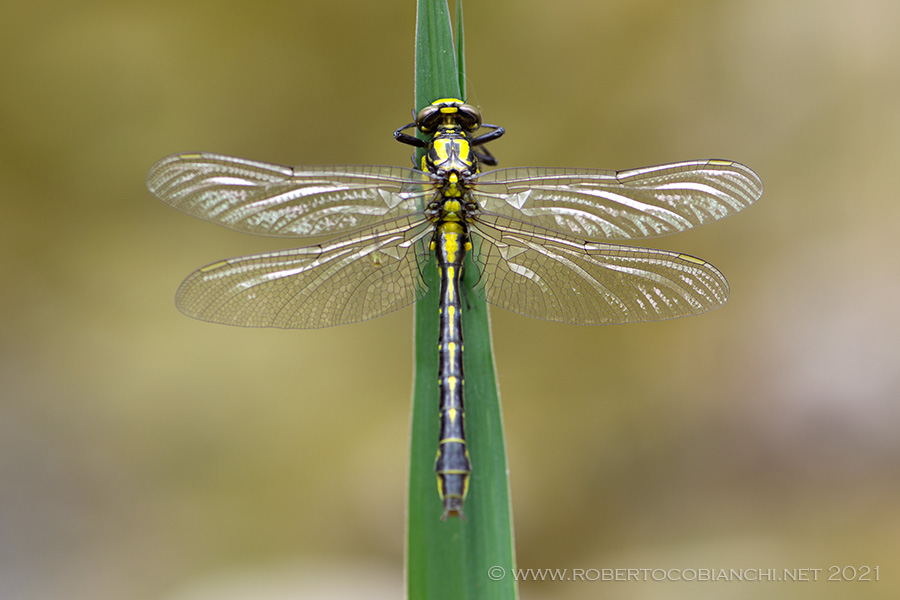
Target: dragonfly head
x=448 y=113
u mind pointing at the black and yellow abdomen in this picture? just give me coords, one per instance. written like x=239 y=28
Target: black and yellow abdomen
x=452 y=463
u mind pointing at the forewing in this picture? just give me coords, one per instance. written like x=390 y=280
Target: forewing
x=537 y=273
x=599 y=204
x=350 y=279
x=266 y=199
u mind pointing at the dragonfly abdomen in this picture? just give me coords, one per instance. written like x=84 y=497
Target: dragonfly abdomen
x=452 y=463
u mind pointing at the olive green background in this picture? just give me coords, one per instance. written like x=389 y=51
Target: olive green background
x=144 y=455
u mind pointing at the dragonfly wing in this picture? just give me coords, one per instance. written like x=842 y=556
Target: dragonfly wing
x=599 y=204
x=537 y=273
x=349 y=279
x=266 y=199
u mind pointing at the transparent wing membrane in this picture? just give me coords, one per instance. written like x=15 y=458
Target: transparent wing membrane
x=601 y=204
x=530 y=235
x=260 y=198
x=535 y=272
x=349 y=279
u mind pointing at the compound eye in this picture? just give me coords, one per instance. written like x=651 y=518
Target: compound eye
x=469 y=117
x=428 y=119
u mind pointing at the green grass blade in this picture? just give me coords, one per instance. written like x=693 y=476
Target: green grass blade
x=453 y=559
x=436 y=72
x=461 y=50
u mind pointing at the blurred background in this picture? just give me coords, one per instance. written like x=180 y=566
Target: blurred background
x=144 y=455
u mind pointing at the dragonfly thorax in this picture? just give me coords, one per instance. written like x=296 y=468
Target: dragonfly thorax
x=450 y=161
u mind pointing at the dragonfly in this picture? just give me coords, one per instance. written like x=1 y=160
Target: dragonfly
x=538 y=238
